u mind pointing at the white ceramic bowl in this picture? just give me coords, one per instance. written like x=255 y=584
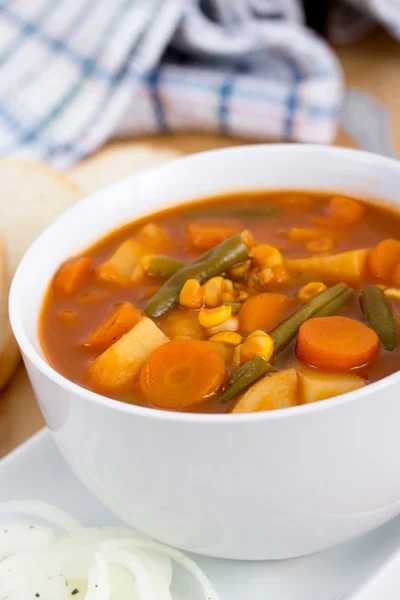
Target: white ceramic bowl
x=256 y=486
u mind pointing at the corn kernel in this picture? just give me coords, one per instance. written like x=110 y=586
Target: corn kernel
x=231 y=324
x=266 y=255
x=145 y=261
x=227 y=297
x=236 y=356
x=240 y=270
x=257 y=333
x=242 y=296
x=227 y=337
x=265 y=276
x=253 y=281
x=224 y=350
x=392 y=293
x=322 y=245
x=281 y=274
x=247 y=237
x=192 y=294
x=213 y=289
x=257 y=346
x=210 y=317
x=310 y=290
x=228 y=291
x=137 y=274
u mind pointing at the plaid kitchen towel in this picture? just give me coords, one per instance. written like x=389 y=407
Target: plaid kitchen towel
x=76 y=73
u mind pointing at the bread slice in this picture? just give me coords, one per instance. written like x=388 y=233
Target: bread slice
x=32 y=195
x=9 y=353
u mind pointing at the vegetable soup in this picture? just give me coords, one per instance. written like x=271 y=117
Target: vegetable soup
x=239 y=303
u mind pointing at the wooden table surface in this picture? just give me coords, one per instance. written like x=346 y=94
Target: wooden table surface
x=373 y=64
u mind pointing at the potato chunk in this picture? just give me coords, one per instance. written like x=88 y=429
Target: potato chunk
x=317 y=385
x=119 y=365
x=279 y=390
x=345 y=266
x=120 y=266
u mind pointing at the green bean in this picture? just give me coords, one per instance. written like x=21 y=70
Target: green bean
x=235 y=306
x=218 y=260
x=250 y=372
x=333 y=307
x=231 y=211
x=378 y=314
x=164 y=266
x=286 y=331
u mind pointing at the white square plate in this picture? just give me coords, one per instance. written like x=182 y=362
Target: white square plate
x=37 y=470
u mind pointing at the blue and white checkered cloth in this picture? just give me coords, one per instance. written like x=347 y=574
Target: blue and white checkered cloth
x=75 y=73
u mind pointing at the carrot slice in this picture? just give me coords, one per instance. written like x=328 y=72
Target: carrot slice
x=181 y=374
x=345 y=211
x=263 y=311
x=204 y=236
x=120 y=322
x=336 y=343
x=383 y=259
x=72 y=274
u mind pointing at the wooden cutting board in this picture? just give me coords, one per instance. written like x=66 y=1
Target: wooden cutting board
x=373 y=64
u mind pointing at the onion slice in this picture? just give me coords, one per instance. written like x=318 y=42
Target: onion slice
x=97 y=563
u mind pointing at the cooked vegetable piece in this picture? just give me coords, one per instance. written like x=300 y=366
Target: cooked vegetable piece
x=266 y=256
x=204 y=236
x=263 y=311
x=286 y=331
x=116 y=369
x=315 y=385
x=182 y=373
x=211 y=317
x=231 y=324
x=257 y=345
x=120 y=266
x=378 y=314
x=309 y=290
x=335 y=305
x=227 y=337
x=279 y=390
x=235 y=306
x=225 y=350
x=383 y=259
x=72 y=274
x=220 y=259
x=392 y=293
x=250 y=372
x=345 y=211
x=191 y=294
x=120 y=322
x=345 y=266
x=164 y=266
x=336 y=343
x=182 y=323
x=154 y=236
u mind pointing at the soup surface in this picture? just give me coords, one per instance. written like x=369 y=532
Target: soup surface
x=240 y=303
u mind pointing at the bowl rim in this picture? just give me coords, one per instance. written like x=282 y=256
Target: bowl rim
x=16 y=291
